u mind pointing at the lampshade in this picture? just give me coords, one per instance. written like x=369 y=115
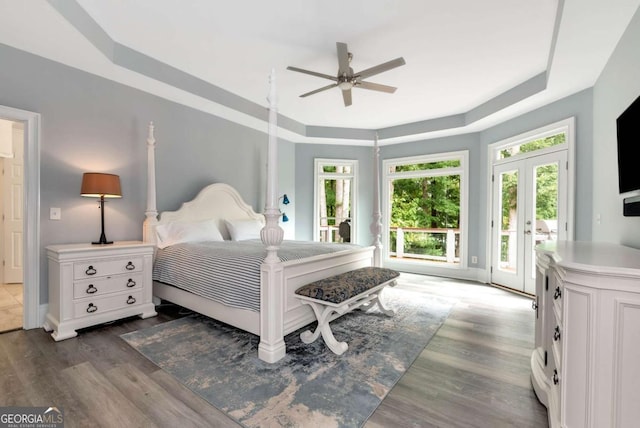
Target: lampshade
x=97 y=184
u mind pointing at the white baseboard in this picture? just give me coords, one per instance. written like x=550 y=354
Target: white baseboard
x=469 y=274
x=43 y=309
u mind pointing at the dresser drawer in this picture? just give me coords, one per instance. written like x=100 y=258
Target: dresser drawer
x=107 y=284
x=99 y=305
x=105 y=267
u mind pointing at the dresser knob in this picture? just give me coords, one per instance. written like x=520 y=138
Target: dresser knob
x=557 y=294
x=556 y=333
x=556 y=379
x=130 y=266
x=534 y=305
x=90 y=271
x=92 y=308
x=131 y=283
x=131 y=300
x=91 y=289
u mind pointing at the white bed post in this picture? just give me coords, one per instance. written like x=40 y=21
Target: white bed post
x=376 y=223
x=151 y=220
x=272 y=347
x=272 y=234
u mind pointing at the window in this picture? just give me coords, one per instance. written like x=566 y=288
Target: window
x=519 y=147
x=426 y=209
x=335 y=200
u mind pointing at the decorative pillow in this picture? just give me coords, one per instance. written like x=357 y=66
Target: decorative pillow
x=179 y=232
x=241 y=230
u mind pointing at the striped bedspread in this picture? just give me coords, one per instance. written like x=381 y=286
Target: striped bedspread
x=228 y=272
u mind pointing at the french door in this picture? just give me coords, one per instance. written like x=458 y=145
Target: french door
x=529 y=207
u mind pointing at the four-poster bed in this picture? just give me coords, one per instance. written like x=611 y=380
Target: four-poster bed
x=280 y=312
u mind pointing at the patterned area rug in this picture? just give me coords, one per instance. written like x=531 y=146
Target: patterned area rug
x=311 y=386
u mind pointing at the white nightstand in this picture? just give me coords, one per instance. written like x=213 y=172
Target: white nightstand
x=93 y=284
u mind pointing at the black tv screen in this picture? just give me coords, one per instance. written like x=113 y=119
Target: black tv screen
x=628 y=126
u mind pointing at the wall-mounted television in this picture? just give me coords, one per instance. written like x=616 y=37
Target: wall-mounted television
x=628 y=126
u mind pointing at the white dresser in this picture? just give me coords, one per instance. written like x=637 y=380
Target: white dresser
x=93 y=284
x=586 y=364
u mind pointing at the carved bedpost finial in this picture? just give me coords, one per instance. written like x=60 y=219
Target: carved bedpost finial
x=376 y=221
x=272 y=234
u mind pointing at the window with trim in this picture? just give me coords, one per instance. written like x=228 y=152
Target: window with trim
x=426 y=209
x=335 y=200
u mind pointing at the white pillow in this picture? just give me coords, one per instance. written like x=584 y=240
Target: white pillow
x=241 y=230
x=178 y=232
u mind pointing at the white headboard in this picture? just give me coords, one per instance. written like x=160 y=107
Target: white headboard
x=217 y=201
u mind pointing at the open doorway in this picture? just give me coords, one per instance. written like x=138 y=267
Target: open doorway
x=11 y=224
x=24 y=233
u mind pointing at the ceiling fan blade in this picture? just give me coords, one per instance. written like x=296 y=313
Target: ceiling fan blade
x=343 y=58
x=324 y=88
x=381 y=68
x=376 y=87
x=346 y=96
x=313 y=73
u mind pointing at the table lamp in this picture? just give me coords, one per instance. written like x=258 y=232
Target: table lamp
x=100 y=185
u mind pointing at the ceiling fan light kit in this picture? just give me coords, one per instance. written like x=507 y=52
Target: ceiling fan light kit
x=346 y=79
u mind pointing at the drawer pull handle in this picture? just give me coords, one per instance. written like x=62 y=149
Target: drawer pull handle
x=91 y=289
x=557 y=294
x=90 y=271
x=131 y=283
x=130 y=266
x=556 y=379
x=92 y=308
x=131 y=300
x=556 y=333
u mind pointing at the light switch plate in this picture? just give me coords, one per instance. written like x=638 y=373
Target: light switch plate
x=55 y=213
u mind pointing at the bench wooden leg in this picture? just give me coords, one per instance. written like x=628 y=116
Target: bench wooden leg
x=378 y=302
x=324 y=314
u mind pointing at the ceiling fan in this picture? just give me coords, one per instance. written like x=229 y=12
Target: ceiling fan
x=347 y=79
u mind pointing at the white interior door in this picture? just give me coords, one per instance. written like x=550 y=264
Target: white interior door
x=13 y=184
x=529 y=207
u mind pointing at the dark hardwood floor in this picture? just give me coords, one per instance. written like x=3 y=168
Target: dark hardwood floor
x=473 y=373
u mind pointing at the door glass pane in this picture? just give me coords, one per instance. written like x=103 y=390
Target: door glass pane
x=546 y=202
x=509 y=222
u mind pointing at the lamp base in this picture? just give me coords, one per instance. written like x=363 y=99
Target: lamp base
x=103 y=239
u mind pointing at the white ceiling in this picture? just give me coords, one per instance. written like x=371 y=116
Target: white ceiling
x=459 y=54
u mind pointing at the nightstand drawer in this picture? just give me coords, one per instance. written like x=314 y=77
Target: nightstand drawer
x=105 y=267
x=88 y=307
x=107 y=284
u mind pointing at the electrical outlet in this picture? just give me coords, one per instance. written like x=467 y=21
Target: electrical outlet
x=474 y=259
x=55 y=214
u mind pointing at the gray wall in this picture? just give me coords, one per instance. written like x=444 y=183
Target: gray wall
x=93 y=124
x=616 y=88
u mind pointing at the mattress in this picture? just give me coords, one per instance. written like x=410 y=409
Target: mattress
x=228 y=272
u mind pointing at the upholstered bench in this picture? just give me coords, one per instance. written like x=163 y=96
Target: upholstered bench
x=337 y=295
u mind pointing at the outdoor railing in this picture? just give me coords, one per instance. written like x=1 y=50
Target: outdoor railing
x=329 y=232
x=448 y=239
